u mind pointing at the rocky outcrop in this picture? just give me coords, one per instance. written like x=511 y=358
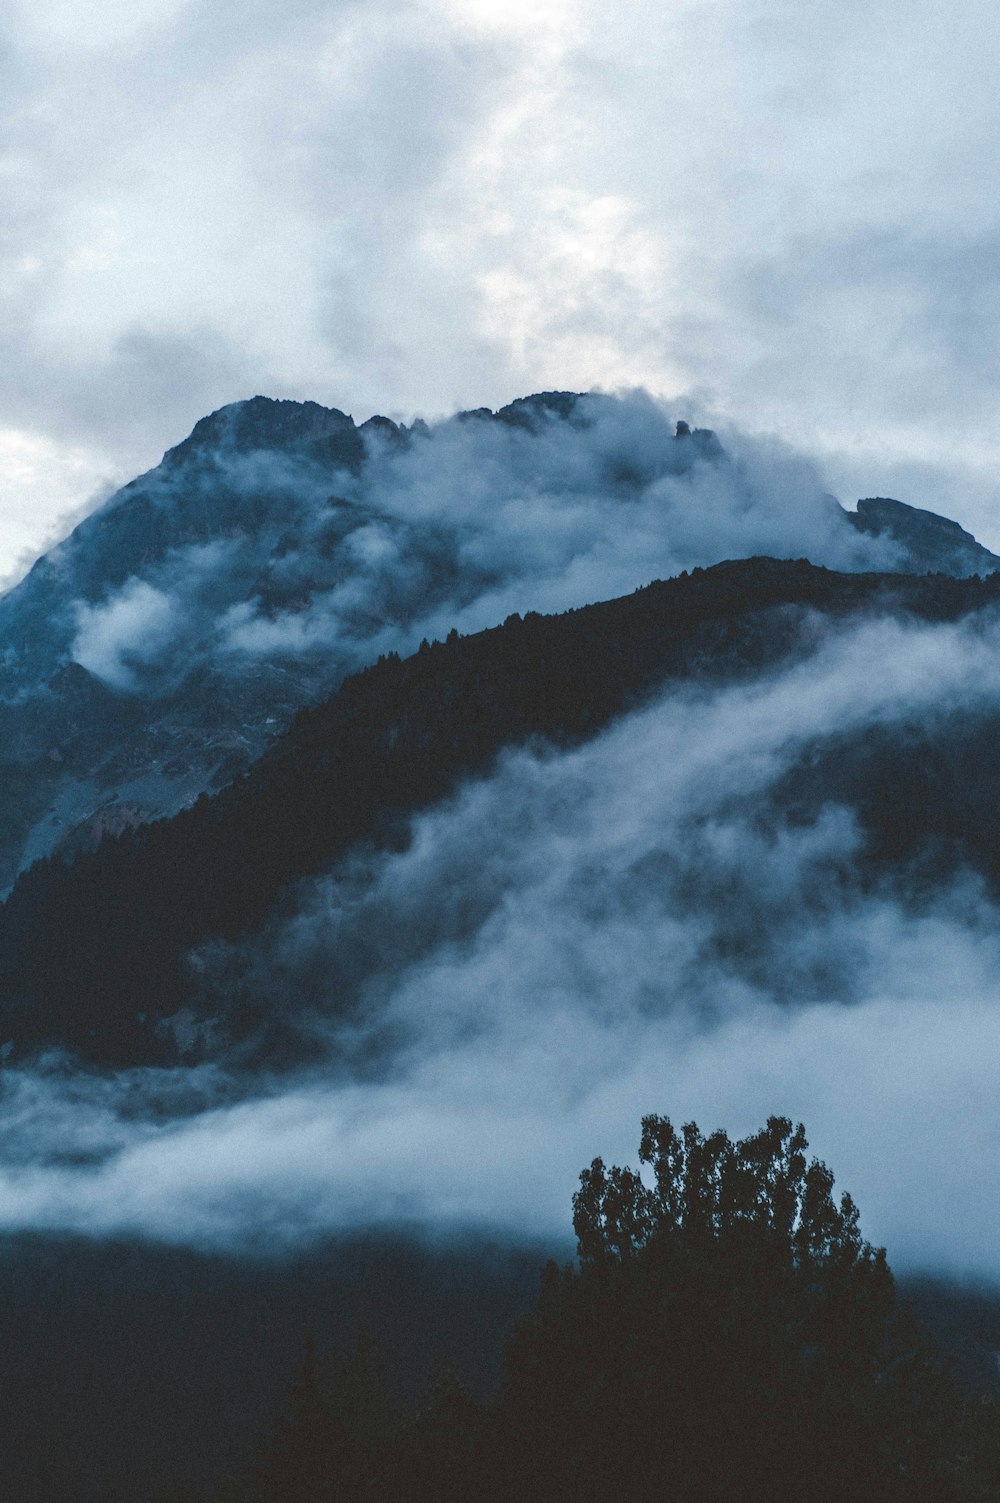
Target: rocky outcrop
x=932 y=544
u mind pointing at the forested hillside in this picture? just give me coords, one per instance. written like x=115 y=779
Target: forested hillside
x=92 y=950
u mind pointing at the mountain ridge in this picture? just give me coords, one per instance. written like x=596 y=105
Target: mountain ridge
x=160 y=648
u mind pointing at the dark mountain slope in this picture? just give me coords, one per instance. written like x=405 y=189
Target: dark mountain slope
x=90 y=713
x=92 y=954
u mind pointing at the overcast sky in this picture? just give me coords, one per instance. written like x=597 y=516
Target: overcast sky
x=411 y=205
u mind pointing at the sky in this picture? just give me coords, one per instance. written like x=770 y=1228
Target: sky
x=411 y=206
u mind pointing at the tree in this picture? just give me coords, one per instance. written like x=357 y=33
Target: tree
x=728 y=1334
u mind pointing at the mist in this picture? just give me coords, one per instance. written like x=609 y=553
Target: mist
x=577 y=939
x=321 y=566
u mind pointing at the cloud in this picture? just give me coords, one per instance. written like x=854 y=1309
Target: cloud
x=582 y=937
x=417 y=208
x=295 y=562
x=128 y=199
x=133 y=627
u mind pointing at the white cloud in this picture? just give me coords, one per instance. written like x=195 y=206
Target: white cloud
x=42 y=485
x=469 y=523
x=134 y=627
x=413 y=206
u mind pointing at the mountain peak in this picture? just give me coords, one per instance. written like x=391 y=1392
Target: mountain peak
x=932 y=542
x=268 y=423
x=529 y=412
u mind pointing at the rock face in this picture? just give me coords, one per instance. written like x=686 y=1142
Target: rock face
x=97 y=713
x=161 y=647
x=933 y=544
x=260 y=424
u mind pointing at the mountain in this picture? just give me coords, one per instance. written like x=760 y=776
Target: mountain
x=158 y=650
x=455 y=872
x=113 y=704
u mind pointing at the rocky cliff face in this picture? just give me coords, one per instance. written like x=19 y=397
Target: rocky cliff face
x=103 y=703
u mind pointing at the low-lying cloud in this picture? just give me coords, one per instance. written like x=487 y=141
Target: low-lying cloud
x=131 y=628
x=580 y=938
x=292 y=562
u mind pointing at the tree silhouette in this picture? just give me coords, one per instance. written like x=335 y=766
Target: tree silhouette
x=727 y=1335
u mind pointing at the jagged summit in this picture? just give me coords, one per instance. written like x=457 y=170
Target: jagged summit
x=704 y=441
x=307 y=429
x=531 y=412
x=266 y=423
x=526 y=412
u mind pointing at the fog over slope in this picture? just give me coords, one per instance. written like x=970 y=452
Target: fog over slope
x=634 y=925
x=157 y=650
x=306 y=536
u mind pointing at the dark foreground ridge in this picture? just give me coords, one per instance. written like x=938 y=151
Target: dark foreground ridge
x=727 y=1336
x=703 y=1336
x=93 y=953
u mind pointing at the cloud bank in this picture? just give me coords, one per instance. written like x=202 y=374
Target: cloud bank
x=583 y=937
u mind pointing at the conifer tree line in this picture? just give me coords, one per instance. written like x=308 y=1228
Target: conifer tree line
x=726 y=1335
